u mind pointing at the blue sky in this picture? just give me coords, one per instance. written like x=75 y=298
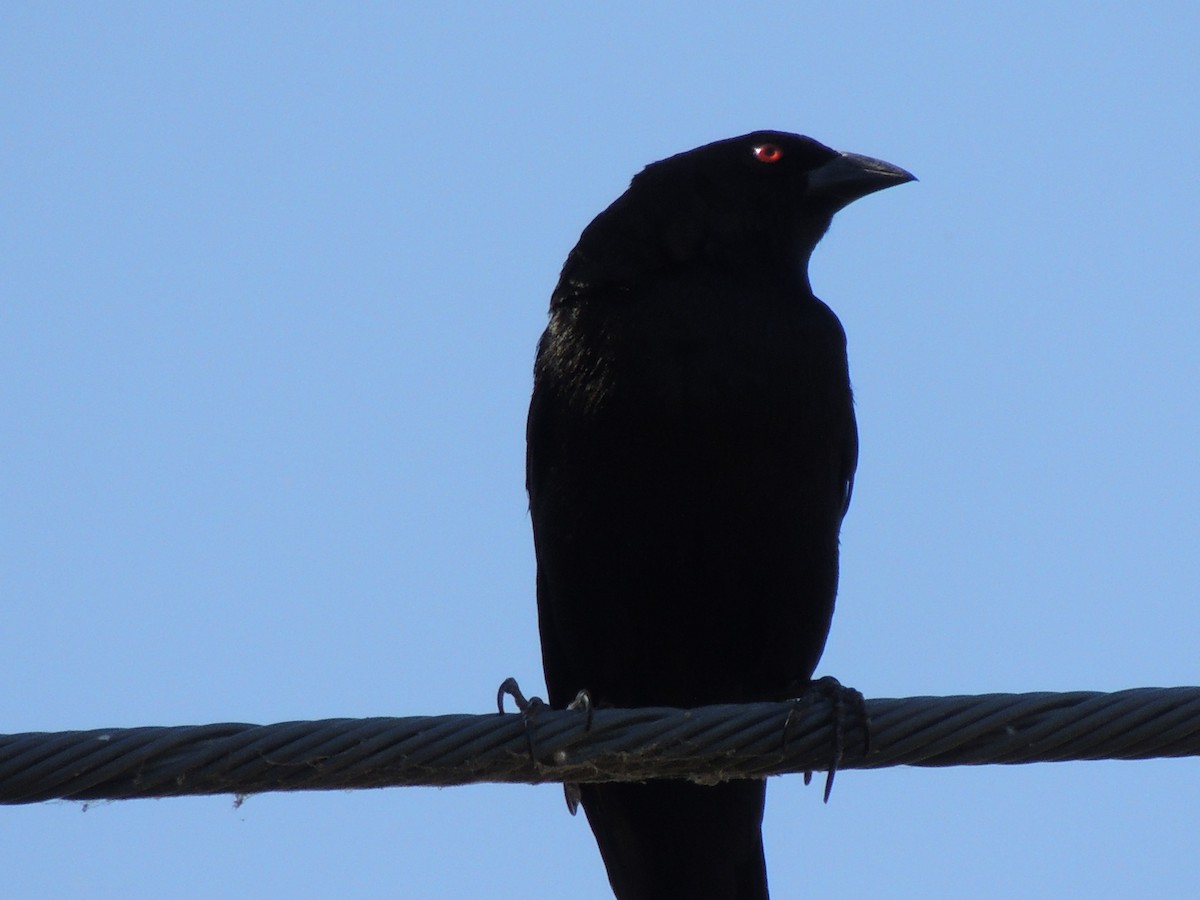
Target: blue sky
x=273 y=275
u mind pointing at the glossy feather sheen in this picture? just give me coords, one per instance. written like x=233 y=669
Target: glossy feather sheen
x=691 y=446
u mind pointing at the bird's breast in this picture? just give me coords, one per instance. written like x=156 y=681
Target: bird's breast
x=692 y=506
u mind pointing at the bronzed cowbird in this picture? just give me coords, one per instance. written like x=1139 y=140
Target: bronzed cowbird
x=691 y=451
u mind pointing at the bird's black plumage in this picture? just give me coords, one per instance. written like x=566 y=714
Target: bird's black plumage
x=691 y=450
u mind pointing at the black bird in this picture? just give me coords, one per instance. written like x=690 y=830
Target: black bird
x=691 y=451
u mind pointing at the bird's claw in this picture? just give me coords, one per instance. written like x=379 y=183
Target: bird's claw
x=572 y=795
x=510 y=688
x=843 y=700
x=583 y=701
x=528 y=707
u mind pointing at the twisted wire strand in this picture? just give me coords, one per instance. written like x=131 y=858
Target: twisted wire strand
x=706 y=744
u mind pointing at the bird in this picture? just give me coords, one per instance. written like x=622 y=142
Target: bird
x=691 y=450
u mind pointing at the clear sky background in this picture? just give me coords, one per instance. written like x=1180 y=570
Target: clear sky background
x=271 y=280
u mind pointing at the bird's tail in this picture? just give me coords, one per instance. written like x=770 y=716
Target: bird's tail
x=667 y=839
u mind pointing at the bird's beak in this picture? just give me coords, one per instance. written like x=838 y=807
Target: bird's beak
x=848 y=176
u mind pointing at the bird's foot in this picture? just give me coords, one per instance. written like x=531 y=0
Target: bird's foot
x=583 y=702
x=846 y=702
x=528 y=707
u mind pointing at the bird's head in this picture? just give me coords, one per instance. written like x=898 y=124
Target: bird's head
x=767 y=189
x=760 y=200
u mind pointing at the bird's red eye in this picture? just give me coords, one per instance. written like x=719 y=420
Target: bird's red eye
x=768 y=153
